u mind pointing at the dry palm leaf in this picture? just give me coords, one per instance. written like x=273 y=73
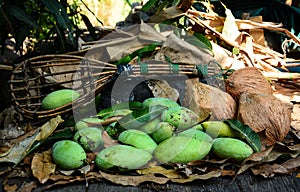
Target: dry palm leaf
x=225 y=58
x=265 y=112
x=217 y=22
x=248 y=79
x=213 y=25
x=207 y=101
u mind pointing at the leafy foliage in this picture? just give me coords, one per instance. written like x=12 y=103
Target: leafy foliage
x=52 y=21
x=249 y=135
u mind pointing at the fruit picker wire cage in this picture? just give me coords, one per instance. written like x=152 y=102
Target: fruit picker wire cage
x=34 y=78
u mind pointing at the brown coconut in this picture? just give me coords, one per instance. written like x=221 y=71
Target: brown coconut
x=265 y=112
x=209 y=102
x=248 y=79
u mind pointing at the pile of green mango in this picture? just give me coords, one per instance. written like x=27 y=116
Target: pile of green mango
x=156 y=130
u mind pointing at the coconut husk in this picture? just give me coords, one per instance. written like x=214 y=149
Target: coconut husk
x=248 y=79
x=265 y=112
x=209 y=102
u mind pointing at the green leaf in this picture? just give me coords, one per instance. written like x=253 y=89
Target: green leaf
x=247 y=133
x=60 y=135
x=139 y=117
x=175 y=2
x=22 y=15
x=140 y=52
x=235 y=51
x=61 y=16
x=89 y=26
x=131 y=105
x=117 y=113
x=199 y=40
x=149 y=5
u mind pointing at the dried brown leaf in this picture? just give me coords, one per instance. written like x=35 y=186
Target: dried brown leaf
x=17 y=172
x=28 y=187
x=169 y=173
x=271 y=154
x=267 y=170
x=228 y=173
x=5 y=171
x=66 y=172
x=133 y=180
x=108 y=141
x=10 y=188
x=193 y=177
x=254 y=159
x=169 y=13
x=63 y=180
x=20 y=149
x=185 y=5
x=246 y=42
x=292 y=164
x=42 y=166
x=295 y=118
x=59 y=179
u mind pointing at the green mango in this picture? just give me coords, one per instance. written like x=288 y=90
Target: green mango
x=219 y=129
x=119 y=109
x=138 y=139
x=198 y=127
x=180 y=117
x=90 y=138
x=68 y=155
x=196 y=134
x=59 y=98
x=164 y=130
x=231 y=148
x=181 y=149
x=154 y=101
x=150 y=126
x=87 y=122
x=118 y=158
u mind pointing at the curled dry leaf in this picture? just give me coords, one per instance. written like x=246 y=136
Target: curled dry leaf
x=267 y=170
x=155 y=170
x=133 y=180
x=194 y=177
x=248 y=79
x=13 y=187
x=28 y=186
x=206 y=100
x=108 y=141
x=42 y=166
x=264 y=112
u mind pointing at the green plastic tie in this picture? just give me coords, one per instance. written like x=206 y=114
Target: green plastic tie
x=174 y=68
x=202 y=70
x=144 y=68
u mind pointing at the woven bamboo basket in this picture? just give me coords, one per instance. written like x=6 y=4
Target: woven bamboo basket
x=36 y=77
